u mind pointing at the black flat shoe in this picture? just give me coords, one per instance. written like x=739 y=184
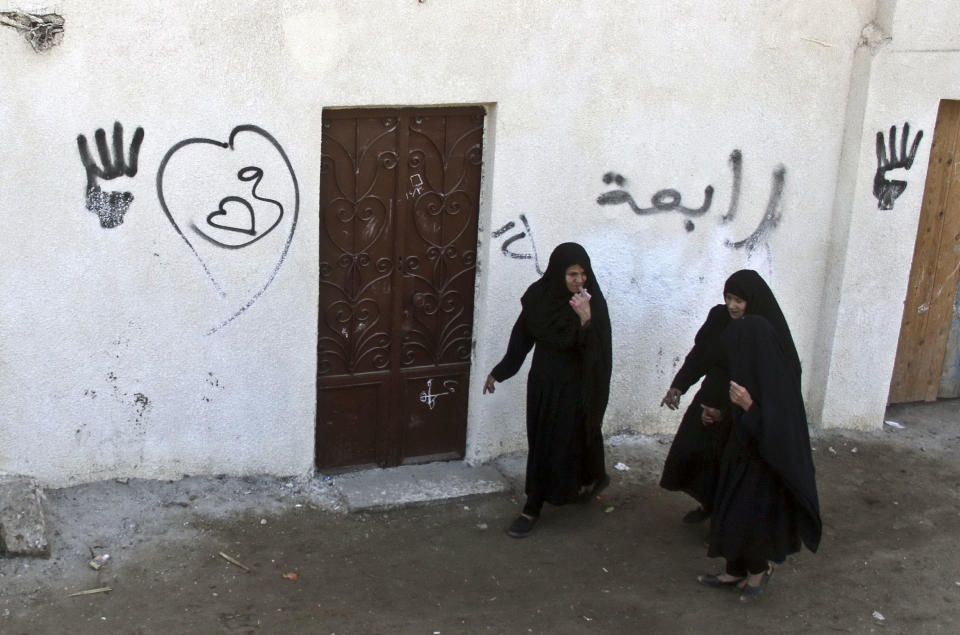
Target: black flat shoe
x=521 y=527
x=698 y=515
x=713 y=580
x=750 y=593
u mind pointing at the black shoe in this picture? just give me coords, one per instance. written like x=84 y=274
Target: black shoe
x=698 y=515
x=521 y=527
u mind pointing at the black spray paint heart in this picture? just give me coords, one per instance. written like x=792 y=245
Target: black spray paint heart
x=234 y=222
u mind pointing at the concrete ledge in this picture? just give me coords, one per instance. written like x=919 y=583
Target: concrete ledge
x=22 y=527
x=412 y=484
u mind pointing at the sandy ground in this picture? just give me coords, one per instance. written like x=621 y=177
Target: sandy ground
x=889 y=561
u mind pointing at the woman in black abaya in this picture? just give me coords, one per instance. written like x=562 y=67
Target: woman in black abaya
x=693 y=463
x=766 y=502
x=564 y=319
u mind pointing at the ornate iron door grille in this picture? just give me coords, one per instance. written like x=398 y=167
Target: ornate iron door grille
x=399 y=194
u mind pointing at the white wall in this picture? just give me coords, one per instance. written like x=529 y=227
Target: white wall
x=910 y=75
x=660 y=93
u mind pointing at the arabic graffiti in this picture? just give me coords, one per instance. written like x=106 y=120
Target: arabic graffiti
x=430 y=398
x=670 y=200
x=666 y=200
x=238 y=218
x=887 y=191
x=505 y=246
x=736 y=166
x=770 y=217
x=110 y=207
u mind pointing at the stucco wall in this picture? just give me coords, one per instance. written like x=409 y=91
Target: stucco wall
x=116 y=354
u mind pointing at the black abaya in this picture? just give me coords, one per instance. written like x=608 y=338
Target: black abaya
x=693 y=463
x=568 y=384
x=766 y=502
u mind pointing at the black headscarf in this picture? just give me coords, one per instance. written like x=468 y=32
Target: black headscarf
x=748 y=285
x=777 y=422
x=551 y=319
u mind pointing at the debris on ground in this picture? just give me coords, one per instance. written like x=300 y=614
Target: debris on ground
x=235 y=562
x=894 y=424
x=98 y=562
x=293 y=575
x=877 y=615
x=623 y=467
x=103 y=589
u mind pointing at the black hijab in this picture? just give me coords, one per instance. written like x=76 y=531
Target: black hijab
x=550 y=319
x=748 y=285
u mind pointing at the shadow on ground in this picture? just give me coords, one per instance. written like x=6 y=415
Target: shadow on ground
x=621 y=564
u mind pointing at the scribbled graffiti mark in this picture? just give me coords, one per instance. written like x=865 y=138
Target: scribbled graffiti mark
x=887 y=191
x=505 y=246
x=771 y=216
x=240 y=222
x=234 y=224
x=736 y=166
x=416 y=185
x=43 y=32
x=110 y=207
x=430 y=398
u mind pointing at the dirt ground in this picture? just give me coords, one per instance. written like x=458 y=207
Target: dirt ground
x=622 y=564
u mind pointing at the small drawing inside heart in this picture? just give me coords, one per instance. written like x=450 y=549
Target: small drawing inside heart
x=233 y=221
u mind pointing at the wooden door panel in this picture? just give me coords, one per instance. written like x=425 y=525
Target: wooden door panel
x=348 y=416
x=399 y=207
x=435 y=403
x=928 y=309
x=440 y=237
x=358 y=179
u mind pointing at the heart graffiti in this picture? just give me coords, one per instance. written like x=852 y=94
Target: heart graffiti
x=235 y=222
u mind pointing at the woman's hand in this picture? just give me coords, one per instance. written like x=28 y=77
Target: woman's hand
x=581 y=304
x=488 y=386
x=710 y=415
x=672 y=399
x=740 y=396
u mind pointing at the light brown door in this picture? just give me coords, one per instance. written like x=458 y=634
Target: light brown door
x=928 y=309
x=399 y=204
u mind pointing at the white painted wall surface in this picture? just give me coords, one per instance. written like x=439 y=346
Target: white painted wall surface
x=659 y=92
x=906 y=85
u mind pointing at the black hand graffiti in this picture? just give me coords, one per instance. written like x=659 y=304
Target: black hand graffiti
x=110 y=207
x=505 y=247
x=887 y=191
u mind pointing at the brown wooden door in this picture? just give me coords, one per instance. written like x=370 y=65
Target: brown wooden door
x=928 y=309
x=399 y=193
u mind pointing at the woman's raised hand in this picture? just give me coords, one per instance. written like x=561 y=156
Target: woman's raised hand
x=581 y=304
x=488 y=386
x=672 y=399
x=740 y=395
